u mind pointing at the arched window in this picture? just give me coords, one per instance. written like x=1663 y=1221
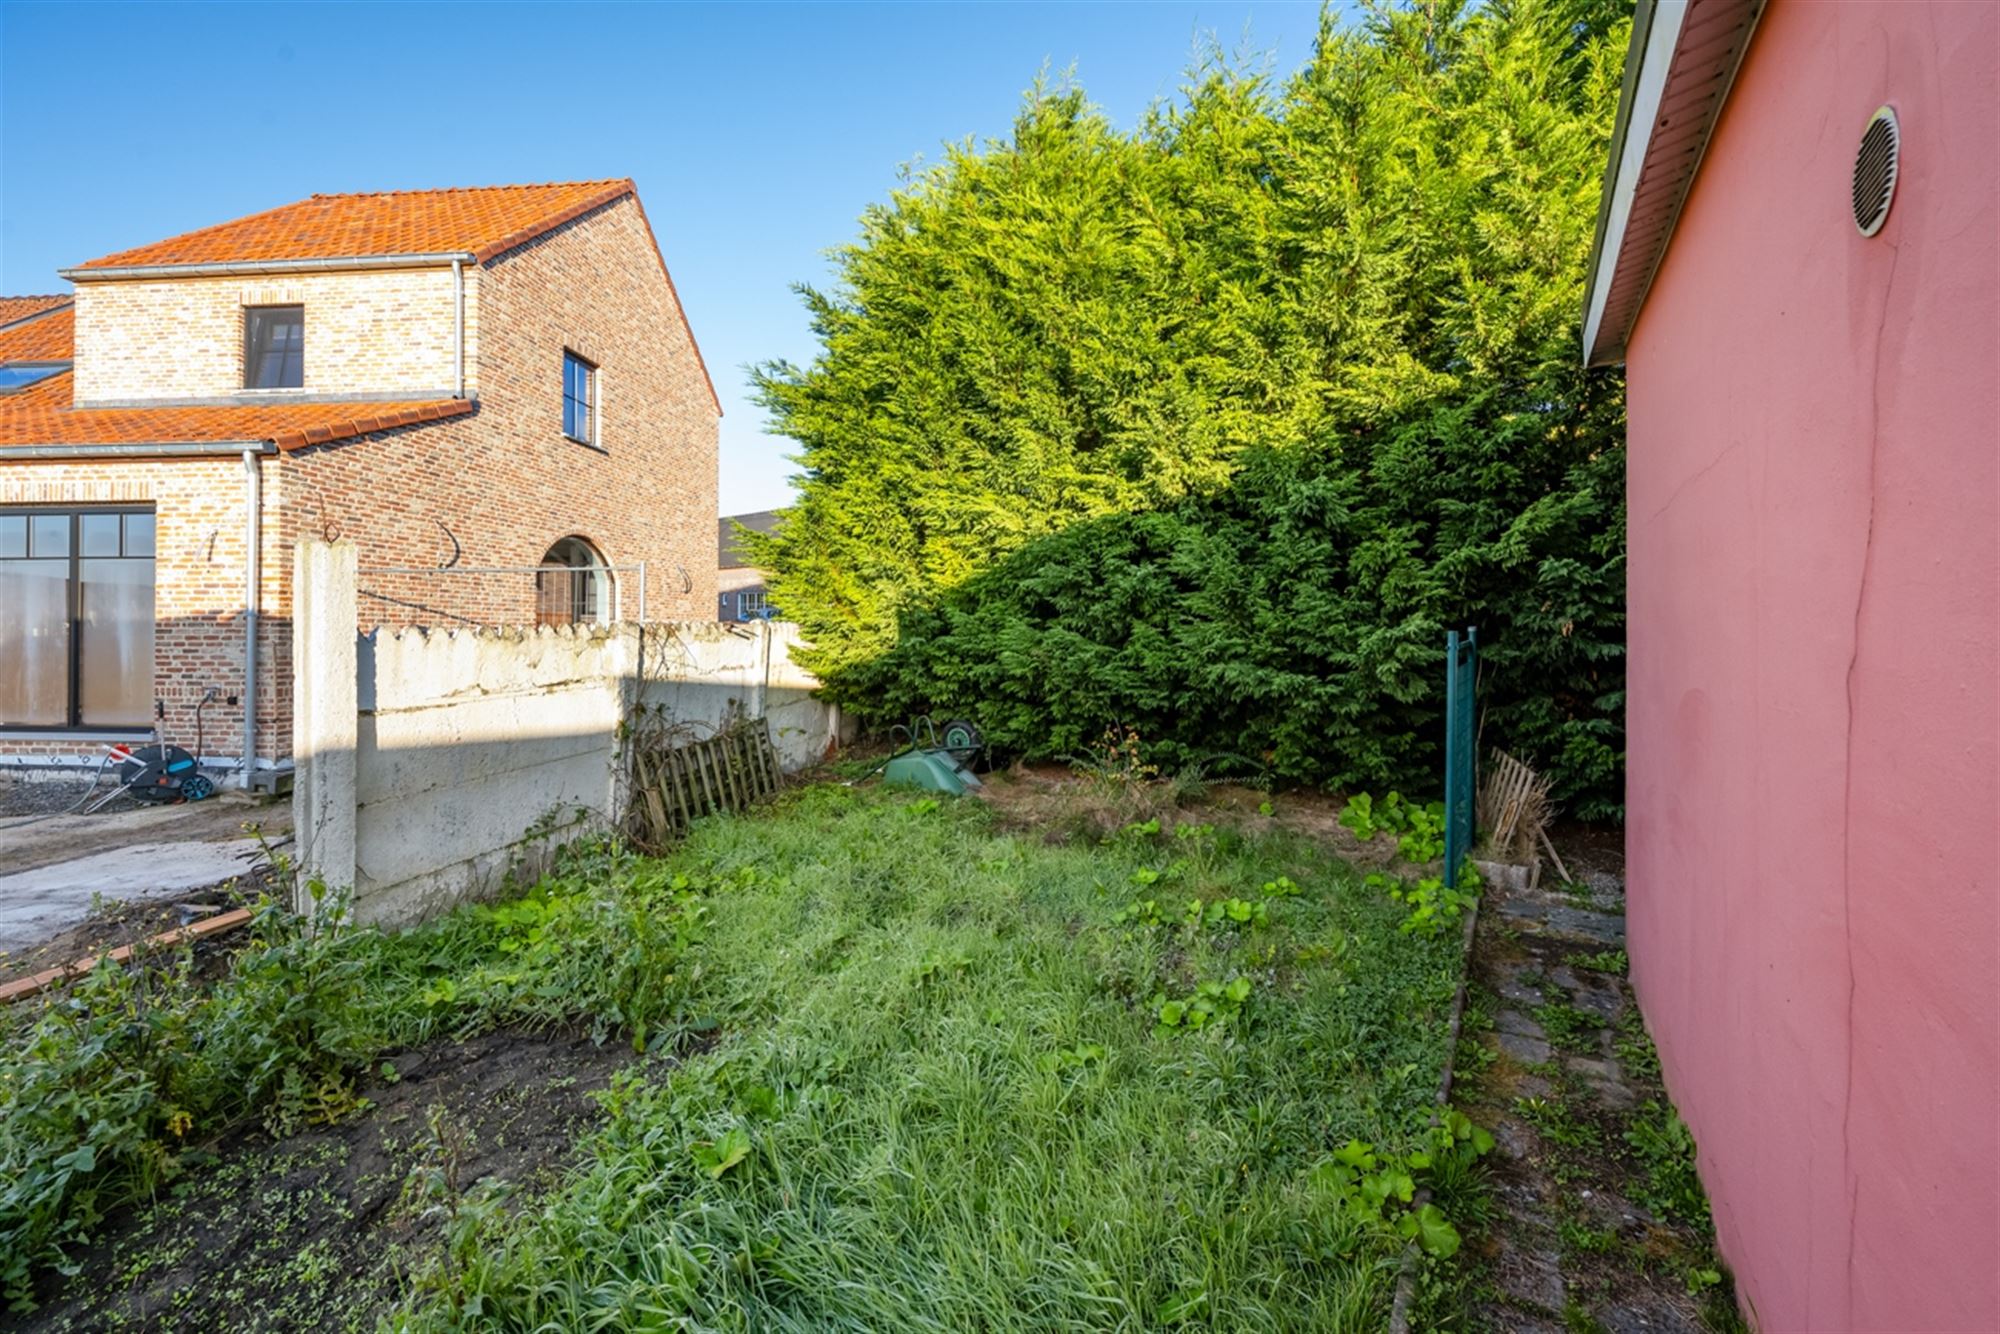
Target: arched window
x=572 y=587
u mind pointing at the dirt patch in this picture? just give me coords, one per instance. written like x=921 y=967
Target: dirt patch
x=1588 y=848
x=50 y=837
x=315 y=1232
x=117 y=924
x=1057 y=804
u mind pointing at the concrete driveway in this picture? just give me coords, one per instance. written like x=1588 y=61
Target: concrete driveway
x=53 y=869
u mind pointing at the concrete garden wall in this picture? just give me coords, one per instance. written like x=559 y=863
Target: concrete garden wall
x=433 y=763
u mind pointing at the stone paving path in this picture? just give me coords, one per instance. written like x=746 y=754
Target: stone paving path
x=1559 y=1073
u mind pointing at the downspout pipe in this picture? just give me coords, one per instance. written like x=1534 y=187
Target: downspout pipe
x=458 y=327
x=253 y=574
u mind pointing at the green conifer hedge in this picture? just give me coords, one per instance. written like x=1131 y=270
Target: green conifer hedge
x=1212 y=428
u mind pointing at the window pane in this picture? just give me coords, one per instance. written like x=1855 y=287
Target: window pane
x=100 y=534
x=48 y=535
x=578 y=376
x=274 y=342
x=117 y=642
x=20 y=377
x=34 y=643
x=138 y=534
x=13 y=536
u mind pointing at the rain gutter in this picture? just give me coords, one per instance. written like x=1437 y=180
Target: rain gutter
x=237 y=268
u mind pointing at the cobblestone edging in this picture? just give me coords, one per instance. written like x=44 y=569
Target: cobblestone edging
x=1406 y=1277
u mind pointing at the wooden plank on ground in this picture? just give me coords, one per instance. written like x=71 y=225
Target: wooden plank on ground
x=22 y=988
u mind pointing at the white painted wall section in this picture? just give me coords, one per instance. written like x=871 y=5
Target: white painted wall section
x=456 y=758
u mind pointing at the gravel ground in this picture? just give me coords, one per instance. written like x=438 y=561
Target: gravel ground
x=51 y=796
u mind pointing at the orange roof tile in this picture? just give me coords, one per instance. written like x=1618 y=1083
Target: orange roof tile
x=14 y=308
x=29 y=418
x=57 y=391
x=49 y=338
x=483 y=220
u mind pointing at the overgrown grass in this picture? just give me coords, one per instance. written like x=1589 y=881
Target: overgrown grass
x=945 y=1098
x=952 y=1088
x=116 y=1084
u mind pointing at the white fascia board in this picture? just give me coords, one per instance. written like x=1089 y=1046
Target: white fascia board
x=1655 y=62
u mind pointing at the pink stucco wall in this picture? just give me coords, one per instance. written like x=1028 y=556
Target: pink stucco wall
x=1813 y=791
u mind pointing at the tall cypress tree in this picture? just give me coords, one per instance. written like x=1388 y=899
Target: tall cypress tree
x=1212 y=427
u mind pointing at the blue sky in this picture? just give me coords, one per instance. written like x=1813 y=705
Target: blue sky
x=756 y=133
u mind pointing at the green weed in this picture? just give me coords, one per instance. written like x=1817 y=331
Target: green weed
x=1029 y=1146
x=1569 y=1027
x=1434 y=909
x=1666 y=1153
x=1553 y=1119
x=1635 y=1049
x=106 y=1086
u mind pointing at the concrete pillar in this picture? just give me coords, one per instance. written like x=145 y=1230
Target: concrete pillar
x=325 y=713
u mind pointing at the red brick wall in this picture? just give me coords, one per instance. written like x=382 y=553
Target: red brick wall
x=504 y=481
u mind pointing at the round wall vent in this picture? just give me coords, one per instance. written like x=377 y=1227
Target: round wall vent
x=1875 y=170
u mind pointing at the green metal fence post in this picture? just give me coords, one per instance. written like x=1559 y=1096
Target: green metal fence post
x=1461 y=671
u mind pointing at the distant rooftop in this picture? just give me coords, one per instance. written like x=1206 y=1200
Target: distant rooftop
x=18 y=309
x=730 y=556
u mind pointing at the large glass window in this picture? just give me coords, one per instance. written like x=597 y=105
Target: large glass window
x=76 y=639
x=274 y=347
x=579 y=386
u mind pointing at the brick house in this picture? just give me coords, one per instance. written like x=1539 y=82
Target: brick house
x=740 y=591
x=493 y=392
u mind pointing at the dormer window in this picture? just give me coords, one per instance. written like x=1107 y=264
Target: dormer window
x=274 y=347
x=579 y=399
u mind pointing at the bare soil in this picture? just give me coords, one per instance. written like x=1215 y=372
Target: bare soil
x=317 y=1231
x=125 y=923
x=1058 y=804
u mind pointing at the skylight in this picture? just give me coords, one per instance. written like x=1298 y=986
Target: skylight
x=22 y=374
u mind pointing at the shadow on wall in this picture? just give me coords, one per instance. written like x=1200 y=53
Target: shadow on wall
x=452 y=800
x=432 y=763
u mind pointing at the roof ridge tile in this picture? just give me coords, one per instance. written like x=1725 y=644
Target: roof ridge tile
x=464 y=189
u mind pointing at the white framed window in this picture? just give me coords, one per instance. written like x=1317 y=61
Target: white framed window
x=572 y=587
x=579 y=399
